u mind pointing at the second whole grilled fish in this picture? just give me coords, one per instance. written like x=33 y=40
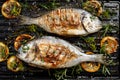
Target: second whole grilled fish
x=65 y=22
x=50 y=52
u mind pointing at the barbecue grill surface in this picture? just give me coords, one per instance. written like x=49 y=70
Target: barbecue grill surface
x=9 y=31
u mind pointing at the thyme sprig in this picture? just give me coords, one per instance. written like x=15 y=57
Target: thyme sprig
x=91 y=42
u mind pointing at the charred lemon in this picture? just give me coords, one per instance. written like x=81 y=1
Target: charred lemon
x=93 y=6
x=14 y=64
x=110 y=44
x=4 y=51
x=11 y=9
x=90 y=66
x=21 y=39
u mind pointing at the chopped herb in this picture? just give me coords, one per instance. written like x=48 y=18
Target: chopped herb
x=14 y=65
x=92 y=18
x=2 y=53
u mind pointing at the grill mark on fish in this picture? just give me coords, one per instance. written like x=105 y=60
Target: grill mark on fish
x=65 y=22
x=41 y=54
x=60 y=19
x=58 y=54
x=54 y=58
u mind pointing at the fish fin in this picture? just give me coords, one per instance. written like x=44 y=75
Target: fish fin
x=24 y=20
x=104 y=59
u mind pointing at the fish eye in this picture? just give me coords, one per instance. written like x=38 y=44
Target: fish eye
x=25 y=48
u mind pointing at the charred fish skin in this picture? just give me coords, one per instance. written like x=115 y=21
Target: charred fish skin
x=50 y=52
x=66 y=22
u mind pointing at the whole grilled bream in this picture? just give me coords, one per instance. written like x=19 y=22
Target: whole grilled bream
x=65 y=22
x=50 y=52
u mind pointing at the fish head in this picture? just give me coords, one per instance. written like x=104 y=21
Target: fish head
x=91 y=23
x=24 y=51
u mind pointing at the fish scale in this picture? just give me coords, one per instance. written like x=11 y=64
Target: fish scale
x=68 y=56
x=75 y=25
x=37 y=74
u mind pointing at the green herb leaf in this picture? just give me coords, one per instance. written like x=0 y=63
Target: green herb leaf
x=2 y=53
x=91 y=42
x=105 y=70
x=50 y=5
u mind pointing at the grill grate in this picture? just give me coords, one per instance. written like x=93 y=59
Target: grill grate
x=8 y=34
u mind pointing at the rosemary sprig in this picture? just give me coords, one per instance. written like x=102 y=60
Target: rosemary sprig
x=108 y=13
x=106 y=29
x=25 y=5
x=102 y=49
x=91 y=42
x=92 y=18
x=78 y=69
x=105 y=70
x=60 y=74
x=50 y=5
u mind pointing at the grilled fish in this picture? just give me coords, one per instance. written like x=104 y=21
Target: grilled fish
x=65 y=22
x=50 y=52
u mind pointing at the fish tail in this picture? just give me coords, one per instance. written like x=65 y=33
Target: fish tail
x=102 y=58
x=24 y=20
